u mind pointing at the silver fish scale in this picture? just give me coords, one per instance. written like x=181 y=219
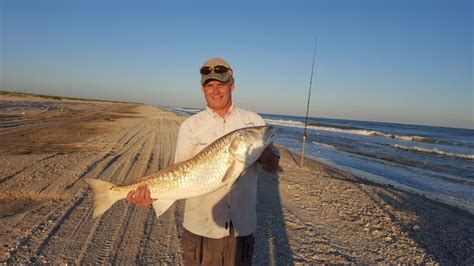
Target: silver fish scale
x=196 y=175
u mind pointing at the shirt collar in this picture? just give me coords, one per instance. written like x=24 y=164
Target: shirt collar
x=214 y=114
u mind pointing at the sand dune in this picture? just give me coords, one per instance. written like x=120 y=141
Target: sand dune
x=315 y=214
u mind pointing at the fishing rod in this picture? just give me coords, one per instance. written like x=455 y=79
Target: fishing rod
x=305 y=135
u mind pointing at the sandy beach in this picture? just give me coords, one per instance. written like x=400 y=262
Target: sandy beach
x=315 y=214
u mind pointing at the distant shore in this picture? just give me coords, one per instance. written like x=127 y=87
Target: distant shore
x=315 y=214
x=52 y=97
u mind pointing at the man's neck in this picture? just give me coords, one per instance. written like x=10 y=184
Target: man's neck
x=222 y=112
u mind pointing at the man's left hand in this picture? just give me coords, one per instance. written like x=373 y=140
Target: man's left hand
x=269 y=159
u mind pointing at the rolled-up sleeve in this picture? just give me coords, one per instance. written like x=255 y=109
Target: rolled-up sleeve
x=184 y=145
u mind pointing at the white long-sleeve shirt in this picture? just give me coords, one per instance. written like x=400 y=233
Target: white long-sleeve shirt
x=210 y=215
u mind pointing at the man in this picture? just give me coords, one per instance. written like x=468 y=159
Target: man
x=218 y=226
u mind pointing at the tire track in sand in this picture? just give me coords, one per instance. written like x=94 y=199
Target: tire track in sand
x=121 y=220
x=76 y=229
x=83 y=223
x=151 y=240
x=6 y=178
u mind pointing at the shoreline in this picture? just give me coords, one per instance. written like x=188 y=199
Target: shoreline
x=383 y=181
x=318 y=214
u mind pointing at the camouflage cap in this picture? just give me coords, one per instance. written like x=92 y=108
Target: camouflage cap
x=224 y=77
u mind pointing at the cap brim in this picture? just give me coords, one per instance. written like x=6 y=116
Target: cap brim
x=214 y=76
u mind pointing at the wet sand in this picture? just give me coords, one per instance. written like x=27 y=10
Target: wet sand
x=310 y=215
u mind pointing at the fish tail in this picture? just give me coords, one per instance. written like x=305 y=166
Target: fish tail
x=104 y=195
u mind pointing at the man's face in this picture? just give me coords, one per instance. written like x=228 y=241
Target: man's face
x=218 y=95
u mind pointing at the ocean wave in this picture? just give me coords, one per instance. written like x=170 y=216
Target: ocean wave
x=327 y=146
x=435 y=151
x=356 y=131
x=193 y=110
x=403 y=137
x=288 y=123
x=181 y=110
x=317 y=124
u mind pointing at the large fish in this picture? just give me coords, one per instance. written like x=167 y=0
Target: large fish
x=217 y=166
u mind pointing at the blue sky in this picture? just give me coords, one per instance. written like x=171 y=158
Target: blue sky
x=394 y=61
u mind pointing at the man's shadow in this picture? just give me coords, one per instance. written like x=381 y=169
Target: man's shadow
x=271 y=239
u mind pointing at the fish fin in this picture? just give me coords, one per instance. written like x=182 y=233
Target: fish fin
x=161 y=206
x=104 y=196
x=233 y=171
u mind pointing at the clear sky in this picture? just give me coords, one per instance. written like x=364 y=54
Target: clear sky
x=396 y=61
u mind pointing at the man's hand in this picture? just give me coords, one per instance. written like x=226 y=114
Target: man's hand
x=140 y=197
x=269 y=159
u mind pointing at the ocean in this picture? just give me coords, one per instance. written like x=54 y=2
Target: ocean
x=437 y=160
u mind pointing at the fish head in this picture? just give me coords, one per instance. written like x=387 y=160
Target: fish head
x=249 y=143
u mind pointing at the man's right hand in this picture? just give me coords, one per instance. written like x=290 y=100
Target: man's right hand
x=140 y=197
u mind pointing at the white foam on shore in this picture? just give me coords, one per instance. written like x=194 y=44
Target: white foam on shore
x=464 y=205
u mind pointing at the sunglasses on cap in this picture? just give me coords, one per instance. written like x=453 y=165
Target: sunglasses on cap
x=206 y=70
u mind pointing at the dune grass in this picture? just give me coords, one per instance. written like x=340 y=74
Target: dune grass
x=52 y=97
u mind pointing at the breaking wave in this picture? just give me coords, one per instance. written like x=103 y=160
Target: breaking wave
x=402 y=137
x=435 y=151
x=181 y=110
x=357 y=131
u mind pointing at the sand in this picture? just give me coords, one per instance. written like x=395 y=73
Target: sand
x=305 y=215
